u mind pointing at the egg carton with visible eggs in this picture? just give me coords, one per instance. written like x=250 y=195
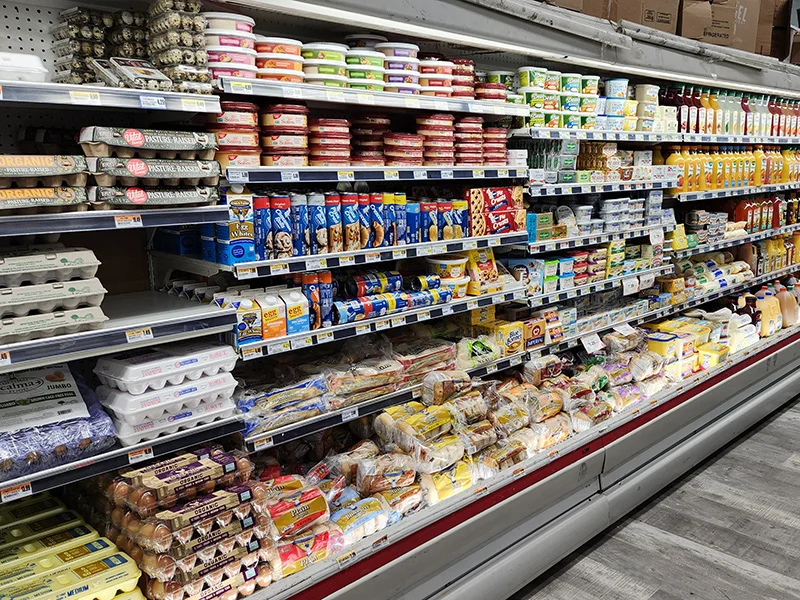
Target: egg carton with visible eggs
x=240 y=585
x=37 y=326
x=47 y=297
x=136 y=371
x=135 y=410
x=40 y=264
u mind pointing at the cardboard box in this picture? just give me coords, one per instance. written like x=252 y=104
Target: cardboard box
x=729 y=23
x=764 y=34
x=781 y=16
x=570 y=4
x=658 y=14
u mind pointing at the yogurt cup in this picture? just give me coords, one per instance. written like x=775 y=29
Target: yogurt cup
x=364 y=40
x=571 y=120
x=401 y=63
x=646 y=93
x=438 y=92
x=504 y=77
x=601 y=105
x=570 y=102
x=336 y=81
x=614 y=107
x=438 y=67
x=398 y=49
x=571 y=82
x=367 y=58
x=614 y=123
x=365 y=72
x=325 y=67
x=231 y=54
x=532 y=97
x=616 y=88
x=287 y=75
x=647 y=110
x=276 y=45
x=371 y=85
x=552 y=81
x=324 y=51
x=588 y=121
x=532 y=77
x=219 y=69
x=229 y=21
x=590 y=84
x=629 y=109
x=270 y=60
x=588 y=104
x=400 y=77
x=226 y=37
x=435 y=80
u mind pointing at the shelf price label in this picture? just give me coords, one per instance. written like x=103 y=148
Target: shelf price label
x=347 y=559
x=134 y=336
x=372 y=256
x=324 y=338
x=366 y=99
x=132 y=221
x=313 y=264
x=471 y=245
x=334 y=96
x=303 y=342
x=592 y=343
x=153 y=102
x=502 y=172
x=630 y=286
x=391 y=175
x=412 y=103
x=478 y=173
x=346 y=175
x=347 y=261
x=15 y=492
x=349 y=414
x=624 y=329
x=5 y=359
x=234 y=176
x=193 y=104
x=290 y=176
x=279 y=269
x=241 y=87
x=246 y=272
x=85 y=98
x=292 y=92
x=447 y=174
x=381 y=325
x=398 y=321
x=140 y=454
x=398 y=254
x=420 y=174
x=251 y=353
x=490 y=369
x=363 y=329
x=263 y=444
x=439 y=105
x=274 y=348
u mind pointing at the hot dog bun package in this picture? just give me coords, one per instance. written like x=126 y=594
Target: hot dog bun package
x=295 y=511
x=362 y=518
x=419 y=356
x=293 y=554
x=440 y=386
x=402 y=501
x=423 y=426
x=384 y=423
x=438 y=454
x=444 y=484
x=468 y=407
x=385 y=472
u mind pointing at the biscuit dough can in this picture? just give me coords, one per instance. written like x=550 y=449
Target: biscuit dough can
x=389 y=219
x=318 y=224
x=365 y=220
x=262 y=215
x=412 y=223
x=333 y=216
x=351 y=229
x=299 y=203
x=428 y=222
x=280 y=211
x=326 y=298
x=311 y=292
x=378 y=233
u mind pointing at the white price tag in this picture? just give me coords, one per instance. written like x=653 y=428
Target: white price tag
x=549 y=247
x=5 y=359
x=142 y=454
x=476 y=108
x=365 y=99
x=502 y=172
x=246 y=272
x=347 y=261
x=398 y=322
x=128 y=221
x=241 y=87
x=494 y=242
x=251 y=353
x=471 y=245
x=423 y=316
x=439 y=105
x=193 y=104
x=593 y=240
x=292 y=92
x=630 y=286
x=334 y=96
x=391 y=175
x=448 y=174
x=425 y=251
x=345 y=560
x=412 y=103
x=647 y=280
x=15 y=492
x=447 y=310
x=312 y=264
x=624 y=329
x=656 y=236
x=290 y=176
x=564 y=135
x=303 y=342
x=518 y=473
x=363 y=329
x=263 y=444
x=420 y=174
x=381 y=325
x=372 y=256
x=491 y=369
x=346 y=175
x=278 y=347
x=235 y=176
x=515 y=360
x=139 y=335
x=153 y=102
x=398 y=254
x=85 y=98
x=416 y=393
x=580 y=134
x=323 y=338
x=279 y=269
x=478 y=173
x=472 y=304
x=592 y=343
x=639 y=137
x=349 y=414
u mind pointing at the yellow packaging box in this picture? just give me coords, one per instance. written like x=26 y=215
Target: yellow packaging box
x=671 y=284
x=509 y=336
x=15 y=557
x=670 y=325
x=701 y=332
x=711 y=354
x=482 y=271
x=533 y=331
x=686 y=344
x=554 y=334
x=664 y=344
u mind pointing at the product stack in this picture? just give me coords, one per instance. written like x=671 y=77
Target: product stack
x=401 y=68
x=230 y=58
x=368 y=132
x=469 y=140
x=80 y=35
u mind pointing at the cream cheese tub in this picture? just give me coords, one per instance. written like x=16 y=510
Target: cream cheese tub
x=226 y=37
x=229 y=21
x=532 y=77
x=504 y=77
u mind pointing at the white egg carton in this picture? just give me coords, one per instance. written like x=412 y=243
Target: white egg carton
x=205 y=412
x=47 y=297
x=39 y=265
x=135 y=410
x=137 y=371
x=32 y=327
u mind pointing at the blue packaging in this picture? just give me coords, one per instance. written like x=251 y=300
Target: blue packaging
x=444 y=219
x=240 y=225
x=379 y=304
x=530 y=226
x=326 y=298
x=351 y=229
x=300 y=226
x=389 y=220
x=232 y=253
x=428 y=222
x=349 y=311
x=365 y=220
x=207 y=230
x=181 y=240
x=208 y=249
x=400 y=209
x=412 y=223
x=378 y=234
x=333 y=216
x=460 y=214
x=317 y=224
x=420 y=299
x=281 y=213
x=262 y=215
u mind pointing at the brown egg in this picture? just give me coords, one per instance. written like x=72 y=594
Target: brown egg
x=126 y=518
x=116 y=516
x=207 y=487
x=247 y=588
x=215 y=577
x=224 y=518
x=146 y=530
x=112 y=532
x=134 y=526
x=263 y=576
x=244 y=466
x=154 y=589
x=227 y=480
x=120 y=541
x=167 y=501
x=165 y=566
x=118 y=491
x=184 y=534
x=137 y=554
x=229 y=595
x=135 y=496
x=174 y=591
x=203 y=527
x=188 y=494
x=162 y=536
x=149 y=561
x=147 y=504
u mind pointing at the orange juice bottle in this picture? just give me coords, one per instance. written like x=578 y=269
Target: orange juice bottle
x=704 y=112
x=677 y=158
x=689 y=171
x=716 y=169
x=750 y=161
x=760 y=165
x=699 y=168
x=726 y=167
x=708 y=167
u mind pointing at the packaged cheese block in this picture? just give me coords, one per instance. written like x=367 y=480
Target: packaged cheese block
x=402 y=501
x=299 y=552
x=507 y=417
x=385 y=422
x=553 y=430
x=386 y=472
x=295 y=511
x=440 y=386
x=441 y=486
x=361 y=518
x=422 y=427
x=439 y=454
x=467 y=408
x=477 y=436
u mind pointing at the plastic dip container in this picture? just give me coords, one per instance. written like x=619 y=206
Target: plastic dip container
x=229 y=21
x=277 y=45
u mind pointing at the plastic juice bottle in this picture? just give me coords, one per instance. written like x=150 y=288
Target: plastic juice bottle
x=726 y=167
x=714 y=124
x=699 y=170
x=795 y=292
x=746 y=125
x=703 y=112
x=740 y=167
x=766 y=116
x=787 y=172
x=773 y=111
x=689 y=170
x=683 y=109
x=708 y=168
x=778 y=164
x=750 y=166
x=658 y=158
x=782 y=120
x=751 y=310
x=743 y=211
x=756 y=105
x=737 y=114
x=760 y=165
x=767 y=319
x=677 y=158
x=796 y=119
x=791 y=129
x=790 y=311
x=688 y=99
x=776 y=308
x=717 y=169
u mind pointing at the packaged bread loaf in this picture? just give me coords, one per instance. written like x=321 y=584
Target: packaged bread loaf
x=438 y=454
x=348 y=461
x=293 y=512
x=467 y=408
x=588 y=416
x=385 y=422
x=386 y=472
x=293 y=554
x=539 y=369
x=419 y=356
x=361 y=518
x=440 y=486
x=422 y=427
x=507 y=417
x=402 y=501
x=477 y=436
x=553 y=430
x=440 y=386
x=367 y=374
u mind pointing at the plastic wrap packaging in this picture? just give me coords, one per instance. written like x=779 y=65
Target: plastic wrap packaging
x=580 y=395
x=293 y=512
x=258 y=421
x=385 y=422
x=588 y=416
x=508 y=417
x=418 y=378
x=477 y=436
x=362 y=427
x=645 y=365
x=595 y=377
x=362 y=518
x=652 y=385
x=508 y=452
x=618 y=372
x=367 y=374
x=539 y=369
x=296 y=553
x=419 y=356
x=422 y=427
x=335 y=402
x=385 y=472
x=440 y=386
x=472 y=353
x=348 y=496
x=545 y=403
x=56 y=423
x=552 y=431
x=622 y=395
x=618 y=342
x=281 y=396
x=347 y=462
x=467 y=408
x=437 y=487
x=439 y=454
x=331 y=488
x=286 y=483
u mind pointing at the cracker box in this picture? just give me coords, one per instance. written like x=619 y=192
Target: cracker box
x=482 y=269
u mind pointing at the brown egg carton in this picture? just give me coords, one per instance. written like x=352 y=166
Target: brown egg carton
x=153 y=172
x=120 y=197
x=240 y=585
x=37 y=200
x=34 y=170
x=128 y=142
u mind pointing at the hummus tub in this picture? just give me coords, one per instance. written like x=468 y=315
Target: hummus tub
x=232 y=135
x=403 y=88
x=435 y=80
x=396 y=77
x=278 y=45
x=229 y=21
x=398 y=49
x=327 y=80
x=313 y=66
x=364 y=40
x=231 y=54
x=221 y=69
x=571 y=82
x=226 y=37
x=368 y=58
x=238 y=157
x=590 y=84
x=504 y=77
x=243 y=114
x=285 y=159
x=366 y=84
x=369 y=73
x=287 y=75
x=324 y=51
x=616 y=88
x=437 y=67
x=401 y=63
x=271 y=60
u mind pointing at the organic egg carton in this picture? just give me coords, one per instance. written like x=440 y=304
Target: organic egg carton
x=40 y=264
x=47 y=297
x=136 y=371
x=43 y=199
x=45 y=325
x=27 y=171
x=153 y=171
x=105 y=198
x=171 y=400
x=124 y=142
x=150 y=429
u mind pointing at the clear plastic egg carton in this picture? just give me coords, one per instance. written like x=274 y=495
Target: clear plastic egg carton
x=197 y=57
x=79 y=48
x=137 y=371
x=47 y=297
x=161 y=6
x=40 y=264
x=78 y=15
x=187 y=73
x=72 y=77
x=153 y=172
x=150 y=429
x=176 y=39
x=173 y=20
x=171 y=400
x=81 y=32
x=33 y=327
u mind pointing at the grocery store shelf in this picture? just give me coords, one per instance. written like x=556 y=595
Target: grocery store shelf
x=117 y=458
x=732 y=192
x=294 y=431
x=84 y=96
x=752 y=237
x=598 y=286
x=595 y=135
x=323 y=174
x=367 y=99
x=94 y=220
x=564 y=189
x=288 y=343
x=135 y=319
x=738 y=139
x=589 y=240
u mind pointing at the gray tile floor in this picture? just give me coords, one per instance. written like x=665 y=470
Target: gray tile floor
x=730 y=530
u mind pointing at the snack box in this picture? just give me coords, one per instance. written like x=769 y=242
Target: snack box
x=27 y=171
x=74 y=198
x=35 y=326
x=14 y=558
x=138 y=370
x=38 y=265
x=483 y=200
x=136 y=197
x=153 y=171
x=47 y=297
x=127 y=142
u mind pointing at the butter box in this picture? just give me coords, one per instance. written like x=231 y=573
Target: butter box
x=664 y=344
x=711 y=354
x=686 y=342
x=549 y=314
x=681 y=369
x=701 y=332
x=533 y=331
